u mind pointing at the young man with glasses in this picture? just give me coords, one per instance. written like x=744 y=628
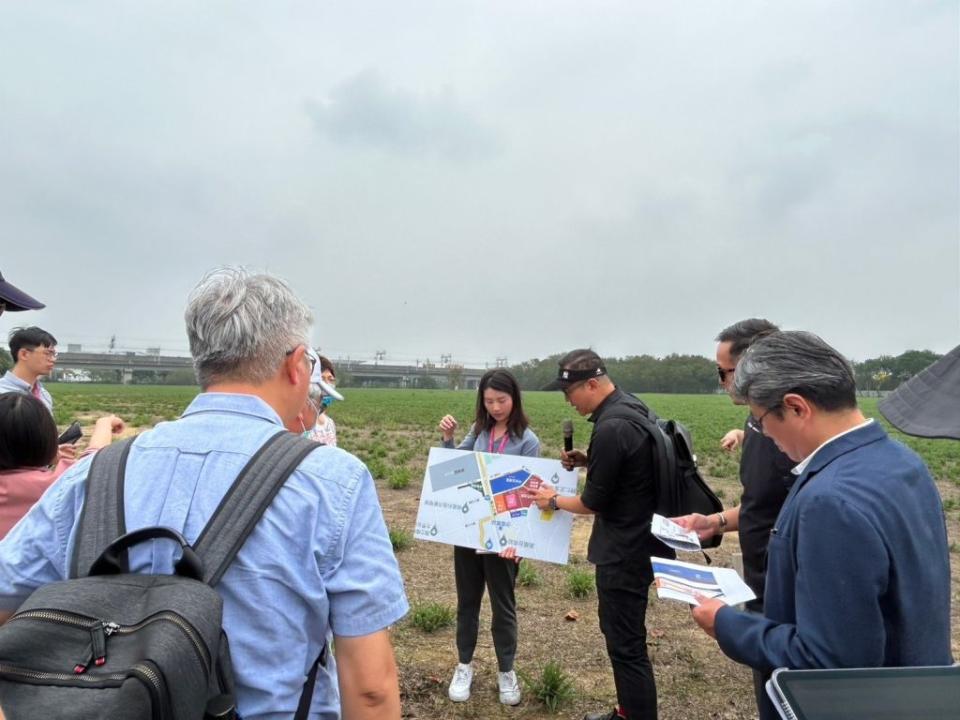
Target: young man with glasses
x=620 y=493
x=764 y=473
x=34 y=353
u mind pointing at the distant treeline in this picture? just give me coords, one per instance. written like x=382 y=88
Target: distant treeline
x=638 y=373
x=696 y=374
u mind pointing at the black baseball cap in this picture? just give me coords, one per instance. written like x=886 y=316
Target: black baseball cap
x=575 y=366
x=16 y=299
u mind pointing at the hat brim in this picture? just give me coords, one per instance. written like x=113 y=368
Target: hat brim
x=556 y=385
x=16 y=300
x=327 y=389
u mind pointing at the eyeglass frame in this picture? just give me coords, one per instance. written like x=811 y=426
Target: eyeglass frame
x=756 y=424
x=310 y=357
x=722 y=372
x=50 y=352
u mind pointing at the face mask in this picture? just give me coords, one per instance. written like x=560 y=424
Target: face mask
x=327 y=400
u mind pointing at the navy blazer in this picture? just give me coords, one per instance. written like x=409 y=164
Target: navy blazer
x=858 y=572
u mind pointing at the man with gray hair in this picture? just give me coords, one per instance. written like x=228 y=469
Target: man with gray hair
x=857 y=566
x=320 y=559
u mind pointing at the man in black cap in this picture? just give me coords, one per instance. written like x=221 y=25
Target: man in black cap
x=13 y=299
x=621 y=494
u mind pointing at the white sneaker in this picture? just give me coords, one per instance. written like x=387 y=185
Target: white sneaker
x=460 y=685
x=509 y=688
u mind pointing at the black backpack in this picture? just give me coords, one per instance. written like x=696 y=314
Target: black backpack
x=681 y=489
x=110 y=644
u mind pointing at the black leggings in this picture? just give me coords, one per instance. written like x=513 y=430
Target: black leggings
x=473 y=572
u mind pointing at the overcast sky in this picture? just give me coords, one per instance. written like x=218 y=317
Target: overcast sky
x=488 y=179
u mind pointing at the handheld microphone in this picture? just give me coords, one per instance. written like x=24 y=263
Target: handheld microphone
x=568 y=435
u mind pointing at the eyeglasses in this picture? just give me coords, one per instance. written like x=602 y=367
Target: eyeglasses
x=723 y=372
x=756 y=424
x=49 y=352
x=309 y=355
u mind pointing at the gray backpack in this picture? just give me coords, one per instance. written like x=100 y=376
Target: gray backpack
x=110 y=644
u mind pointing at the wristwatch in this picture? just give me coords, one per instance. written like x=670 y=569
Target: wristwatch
x=552 y=502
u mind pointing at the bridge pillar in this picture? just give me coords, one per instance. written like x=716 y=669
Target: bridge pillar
x=126 y=376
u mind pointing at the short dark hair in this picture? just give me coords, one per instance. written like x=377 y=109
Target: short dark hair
x=581 y=359
x=28 y=434
x=795 y=362
x=29 y=338
x=326 y=365
x=745 y=333
x=502 y=381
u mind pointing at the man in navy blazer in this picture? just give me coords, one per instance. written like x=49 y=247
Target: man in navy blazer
x=857 y=566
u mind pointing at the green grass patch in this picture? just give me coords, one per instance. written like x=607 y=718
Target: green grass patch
x=398 y=477
x=552 y=687
x=580 y=583
x=527 y=574
x=400 y=539
x=432 y=616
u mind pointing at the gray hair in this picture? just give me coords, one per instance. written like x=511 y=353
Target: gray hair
x=241 y=325
x=795 y=362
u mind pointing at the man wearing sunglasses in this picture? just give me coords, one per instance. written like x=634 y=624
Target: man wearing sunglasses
x=764 y=473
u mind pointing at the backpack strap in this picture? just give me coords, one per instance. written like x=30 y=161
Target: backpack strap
x=102 y=516
x=246 y=501
x=662 y=455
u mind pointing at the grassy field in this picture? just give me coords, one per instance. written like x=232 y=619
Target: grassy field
x=391 y=430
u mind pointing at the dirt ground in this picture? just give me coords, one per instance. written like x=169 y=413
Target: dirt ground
x=694 y=679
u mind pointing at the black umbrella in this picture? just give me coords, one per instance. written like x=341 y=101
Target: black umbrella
x=928 y=404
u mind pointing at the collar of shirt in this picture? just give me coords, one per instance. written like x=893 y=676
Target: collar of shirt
x=238 y=403
x=609 y=400
x=10 y=378
x=798 y=470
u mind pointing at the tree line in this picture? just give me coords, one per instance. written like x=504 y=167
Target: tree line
x=696 y=374
x=637 y=373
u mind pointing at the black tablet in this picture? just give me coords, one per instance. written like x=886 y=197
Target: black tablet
x=917 y=693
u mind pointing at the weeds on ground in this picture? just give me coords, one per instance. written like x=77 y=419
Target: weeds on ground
x=377 y=468
x=398 y=477
x=580 y=583
x=553 y=687
x=400 y=539
x=432 y=616
x=527 y=574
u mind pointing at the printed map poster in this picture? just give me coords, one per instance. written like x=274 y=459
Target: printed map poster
x=481 y=500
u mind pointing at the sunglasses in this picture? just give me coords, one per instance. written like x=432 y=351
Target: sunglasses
x=723 y=372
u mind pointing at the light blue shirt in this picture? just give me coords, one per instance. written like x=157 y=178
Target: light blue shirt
x=11 y=383
x=320 y=560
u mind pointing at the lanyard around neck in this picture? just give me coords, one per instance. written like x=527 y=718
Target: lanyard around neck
x=503 y=442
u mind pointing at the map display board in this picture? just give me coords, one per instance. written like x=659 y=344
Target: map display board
x=482 y=501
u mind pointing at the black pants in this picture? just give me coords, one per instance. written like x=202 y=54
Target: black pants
x=473 y=572
x=622 y=593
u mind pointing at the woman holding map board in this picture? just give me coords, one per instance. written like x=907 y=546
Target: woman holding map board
x=500 y=426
